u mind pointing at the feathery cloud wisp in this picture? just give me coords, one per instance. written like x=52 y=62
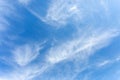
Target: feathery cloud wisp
x=60 y=12
x=5 y=10
x=82 y=46
x=26 y=2
x=23 y=55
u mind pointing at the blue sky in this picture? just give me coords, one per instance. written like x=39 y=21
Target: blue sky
x=59 y=40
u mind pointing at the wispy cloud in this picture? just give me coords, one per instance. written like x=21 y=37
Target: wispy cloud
x=25 y=2
x=118 y=58
x=23 y=55
x=103 y=63
x=21 y=74
x=104 y=3
x=5 y=10
x=108 y=62
x=8 y=12
x=21 y=62
x=3 y=24
x=60 y=12
x=83 y=46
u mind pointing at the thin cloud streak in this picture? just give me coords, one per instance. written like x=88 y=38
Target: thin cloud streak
x=24 y=73
x=8 y=12
x=24 y=2
x=103 y=63
x=5 y=10
x=108 y=62
x=83 y=46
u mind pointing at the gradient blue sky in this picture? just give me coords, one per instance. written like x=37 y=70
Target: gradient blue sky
x=59 y=39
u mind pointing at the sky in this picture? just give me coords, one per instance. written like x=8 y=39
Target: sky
x=59 y=39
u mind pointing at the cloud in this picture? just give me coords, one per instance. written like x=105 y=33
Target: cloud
x=60 y=12
x=118 y=58
x=3 y=24
x=5 y=10
x=8 y=13
x=103 y=63
x=21 y=63
x=82 y=45
x=25 y=2
x=104 y=3
x=23 y=55
x=108 y=62
x=21 y=74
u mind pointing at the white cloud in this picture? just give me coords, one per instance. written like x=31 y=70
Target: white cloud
x=103 y=63
x=108 y=62
x=83 y=46
x=23 y=55
x=7 y=13
x=26 y=2
x=104 y=3
x=60 y=12
x=3 y=24
x=118 y=58
x=5 y=10
x=26 y=73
